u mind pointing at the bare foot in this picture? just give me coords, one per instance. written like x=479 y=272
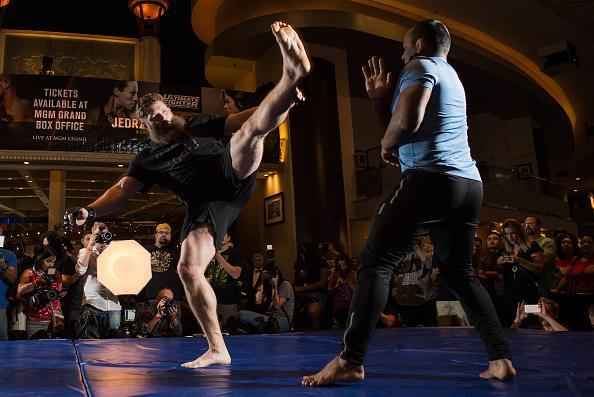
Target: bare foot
x=499 y=369
x=337 y=370
x=209 y=358
x=295 y=61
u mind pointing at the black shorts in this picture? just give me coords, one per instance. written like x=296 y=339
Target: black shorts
x=218 y=216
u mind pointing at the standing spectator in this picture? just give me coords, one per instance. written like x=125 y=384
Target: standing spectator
x=546 y=317
x=535 y=234
x=164 y=258
x=224 y=274
x=40 y=287
x=491 y=274
x=8 y=276
x=567 y=256
x=101 y=312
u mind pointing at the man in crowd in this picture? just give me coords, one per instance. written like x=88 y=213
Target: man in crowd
x=101 y=311
x=164 y=257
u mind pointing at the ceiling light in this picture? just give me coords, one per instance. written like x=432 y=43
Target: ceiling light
x=26 y=162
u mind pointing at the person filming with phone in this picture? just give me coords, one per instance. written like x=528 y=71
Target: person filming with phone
x=545 y=313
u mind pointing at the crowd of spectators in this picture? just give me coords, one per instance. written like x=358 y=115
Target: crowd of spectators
x=536 y=278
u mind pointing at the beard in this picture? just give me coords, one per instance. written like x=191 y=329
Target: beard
x=167 y=132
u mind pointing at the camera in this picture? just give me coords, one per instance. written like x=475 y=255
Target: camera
x=103 y=238
x=43 y=296
x=168 y=308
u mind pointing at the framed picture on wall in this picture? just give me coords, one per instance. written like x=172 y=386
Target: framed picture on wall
x=274 y=209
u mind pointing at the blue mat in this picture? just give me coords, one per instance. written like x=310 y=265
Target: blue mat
x=404 y=362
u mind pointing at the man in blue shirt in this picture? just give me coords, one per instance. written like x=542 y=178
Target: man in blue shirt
x=8 y=276
x=440 y=192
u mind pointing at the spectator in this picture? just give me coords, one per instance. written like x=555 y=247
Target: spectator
x=490 y=272
x=224 y=274
x=311 y=284
x=547 y=316
x=160 y=316
x=341 y=285
x=164 y=258
x=101 y=311
x=577 y=275
x=534 y=232
x=40 y=287
x=415 y=286
x=567 y=256
x=278 y=303
x=8 y=276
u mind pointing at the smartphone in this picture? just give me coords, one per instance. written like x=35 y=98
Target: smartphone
x=269 y=247
x=51 y=271
x=532 y=308
x=2 y=241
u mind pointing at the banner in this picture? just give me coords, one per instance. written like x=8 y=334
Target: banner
x=80 y=114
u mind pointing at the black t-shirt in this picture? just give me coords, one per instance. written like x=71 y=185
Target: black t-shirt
x=164 y=270
x=198 y=159
x=226 y=288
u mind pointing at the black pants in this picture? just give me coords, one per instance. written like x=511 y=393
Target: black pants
x=448 y=208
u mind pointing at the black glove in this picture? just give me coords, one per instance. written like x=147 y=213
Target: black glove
x=73 y=214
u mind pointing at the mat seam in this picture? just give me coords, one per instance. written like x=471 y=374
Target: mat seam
x=83 y=378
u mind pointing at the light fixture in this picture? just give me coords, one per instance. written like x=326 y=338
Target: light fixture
x=29 y=180
x=4 y=3
x=10 y=178
x=26 y=162
x=148 y=13
x=578 y=179
x=575 y=190
x=120 y=165
x=93 y=181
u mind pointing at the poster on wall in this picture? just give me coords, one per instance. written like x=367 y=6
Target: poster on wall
x=60 y=113
x=79 y=114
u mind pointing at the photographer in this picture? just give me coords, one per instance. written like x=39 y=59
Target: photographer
x=278 y=304
x=40 y=287
x=101 y=311
x=160 y=316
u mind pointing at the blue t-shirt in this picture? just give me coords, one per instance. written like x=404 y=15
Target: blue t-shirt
x=441 y=143
x=11 y=260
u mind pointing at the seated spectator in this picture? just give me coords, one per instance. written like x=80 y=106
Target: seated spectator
x=8 y=276
x=547 y=317
x=278 y=303
x=415 y=286
x=311 y=284
x=160 y=316
x=341 y=285
x=40 y=288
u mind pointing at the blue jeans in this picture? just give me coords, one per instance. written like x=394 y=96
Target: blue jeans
x=256 y=320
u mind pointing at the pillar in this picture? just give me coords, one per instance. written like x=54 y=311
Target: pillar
x=57 y=198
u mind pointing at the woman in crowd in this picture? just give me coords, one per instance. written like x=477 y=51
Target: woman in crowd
x=40 y=287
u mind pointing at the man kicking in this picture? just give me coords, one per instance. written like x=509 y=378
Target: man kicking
x=440 y=192
x=213 y=176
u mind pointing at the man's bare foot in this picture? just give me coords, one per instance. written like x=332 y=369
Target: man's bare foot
x=337 y=370
x=296 y=64
x=209 y=358
x=499 y=369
